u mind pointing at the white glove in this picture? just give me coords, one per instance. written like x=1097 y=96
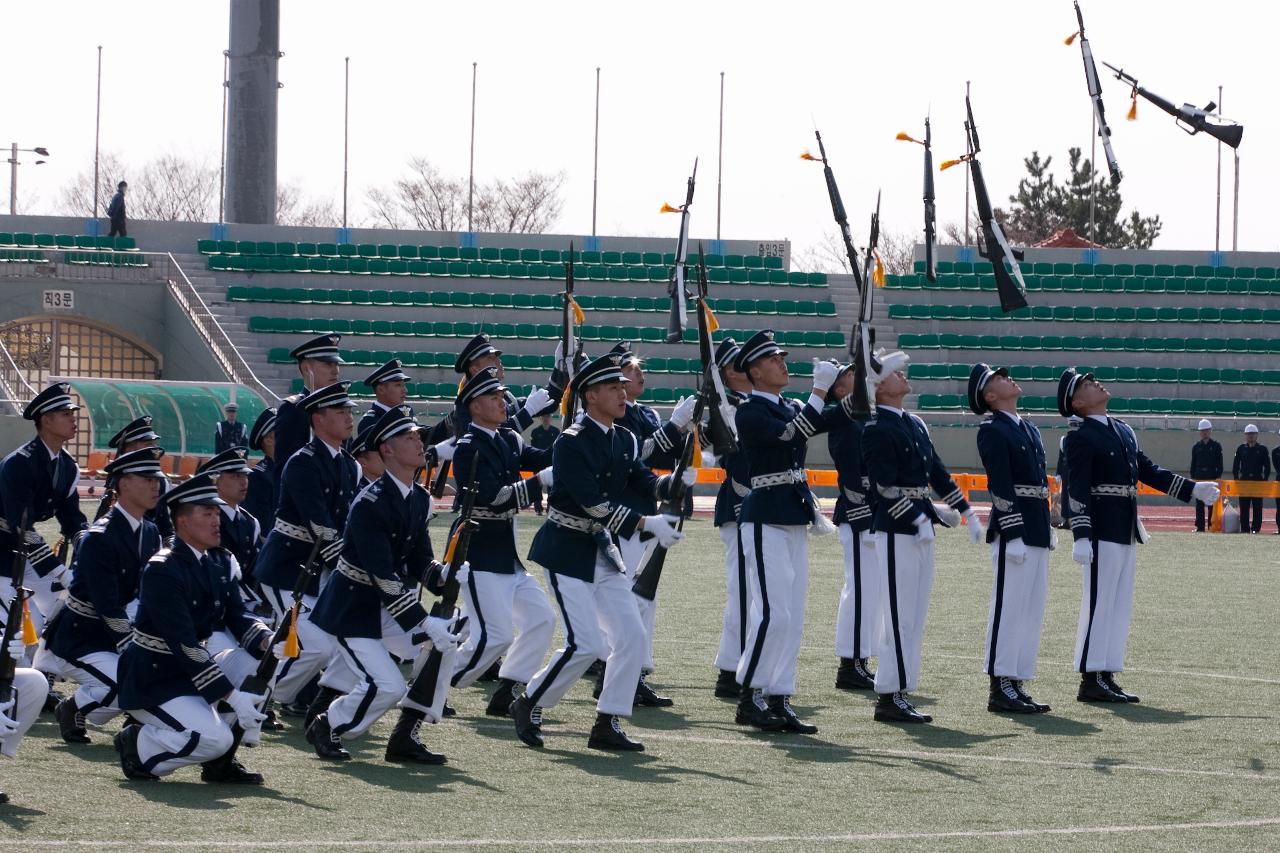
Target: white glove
x=947 y=515
x=924 y=530
x=278 y=651
x=438 y=631
x=1206 y=492
x=463 y=573
x=868 y=539
x=729 y=414
x=824 y=375
x=976 y=531
x=660 y=527
x=683 y=412
x=1015 y=551
x=331 y=549
x=709 y=459
x=8 y=725
x=17 y=649
x=559 y=356
x=537 y=400
x=246 y=707
x=689 y=476
x=444 y=450
x=1082 y=552
x=546 y=477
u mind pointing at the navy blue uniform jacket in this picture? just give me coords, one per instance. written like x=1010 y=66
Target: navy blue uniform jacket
x=27 y=487
x=1013 y=456
x=737 y=476
x=501 y=492
x=901 y=462
x=261 y=499
x=856 y=502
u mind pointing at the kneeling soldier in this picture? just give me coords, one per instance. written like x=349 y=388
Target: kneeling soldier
x=168 y=680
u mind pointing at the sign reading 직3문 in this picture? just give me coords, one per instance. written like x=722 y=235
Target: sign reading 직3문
x=58 y=300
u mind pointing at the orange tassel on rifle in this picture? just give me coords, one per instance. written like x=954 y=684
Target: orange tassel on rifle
x=947 y=164
x=1133 y=108
x=713 y=324
x=291 y=647
x=1071 y=39
x=905 y=137
x=29 y=635
x=578 y=316
x=453 y=546
x=877 y=277
x=696 y=461
x=666 y=208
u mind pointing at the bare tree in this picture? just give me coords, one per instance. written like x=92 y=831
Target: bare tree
x=529 y=204
x=828 y=254
x=174 y=189
x=76 y=197
x=292 y=208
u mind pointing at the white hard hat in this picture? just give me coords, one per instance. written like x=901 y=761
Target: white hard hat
x=1250 y=428
x=1204 y=424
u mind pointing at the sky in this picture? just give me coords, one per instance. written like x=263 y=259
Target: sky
x=860 y=71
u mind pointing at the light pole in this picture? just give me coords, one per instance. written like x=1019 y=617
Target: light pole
x=13 y=172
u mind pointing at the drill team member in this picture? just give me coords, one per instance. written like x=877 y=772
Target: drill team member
x=594 y=461
x=319 y=365
x=241 y=533
x=1013 y=457
x=261 y=498
x=390 y=389
x=138 y=434
x=1106 y=466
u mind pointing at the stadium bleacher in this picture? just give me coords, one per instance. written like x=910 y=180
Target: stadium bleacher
x=31 y=248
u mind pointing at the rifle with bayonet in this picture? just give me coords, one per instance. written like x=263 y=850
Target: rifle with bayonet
x=17 y=623
x=1095 y=95
x=678 y=319
x=994 y=246
x=571 y=317
x=930 y=206
x=723 y=433
x=1190 y=118
x=259 y=683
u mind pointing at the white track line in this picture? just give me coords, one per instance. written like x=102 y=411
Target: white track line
x=426 y=843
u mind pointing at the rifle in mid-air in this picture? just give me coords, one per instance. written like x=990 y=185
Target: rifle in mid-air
x=19 y=620
x=678 y=320
x=1095 y=95
x=571 y=318
x=1190 y=118
x=930 y=199
x=995 y=246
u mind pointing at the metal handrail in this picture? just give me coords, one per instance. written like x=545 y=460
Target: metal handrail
x=8 y=372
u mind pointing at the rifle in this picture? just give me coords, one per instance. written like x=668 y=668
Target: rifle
x=861 y=336
x=1190 y=118
x=570 y=344
x=442 y=475
x=19 y=621
x=930 y=208
x=422 y=690
x=724 y=436
x=995 y=246
x=679 y=317
x=1095 y=95
x=259 y=683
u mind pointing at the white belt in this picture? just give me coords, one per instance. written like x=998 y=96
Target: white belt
x=912 y=492
x=782 y=478
x=293 y=531
x=490 y=515
x=1114 y=491
x=573 y=522
x=352 y=572
x=1041 y=492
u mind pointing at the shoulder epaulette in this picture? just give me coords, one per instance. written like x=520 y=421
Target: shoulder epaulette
x=573 y=429
x=466 y=439
x=160 y=556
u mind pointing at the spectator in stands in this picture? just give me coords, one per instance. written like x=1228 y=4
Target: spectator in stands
x=544 y=435
x=1206 y=464
x=229 y=433
x=115 y=212
x=1251 y=463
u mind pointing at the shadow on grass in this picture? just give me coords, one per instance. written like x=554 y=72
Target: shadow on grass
x=633 y=766
x=17 y=816
x=1143 y=713
x=196 y=795
x=937 y=736
x=1048 y=724
x=407 y=778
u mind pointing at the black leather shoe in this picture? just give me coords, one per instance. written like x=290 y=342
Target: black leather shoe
x=449 y=711
x=293 y=709
x=1094 y=688
x=781 y=706
x=754 y=711
x=894 y=708
x=71 y=721
x=526 y=729
x=229 y=773
x=854 y=675
x=404 y=747
x=272 y=722
x=126 y=744
x=320 y=736
x=51 y=701
x=1117 y=689
x=1040 y=707
x=1004 y=698
x=727 y=685
x=491 y=674
x=647 y=698
x=323 y=698
x=607 y=733
x=503 y=696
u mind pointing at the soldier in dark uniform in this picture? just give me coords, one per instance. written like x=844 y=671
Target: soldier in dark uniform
x=319 y=364
x=507 y=609
x=135 y=436
x=733 y=632
x=859 y=617
x=87 y=635
x=1021 y=539
x=595 y=459
x=369 y=606
x=479 y=354
x=1206 y=464
x=1253 y=464
x=229 y=433
x=903 y=466
x=317 y=486
x=168 y=680
x=38 y=482
x=542 y=437
x=1106 y=466
x=261 y=499
x=241 y=532
x=368 y=457
x=390 y=389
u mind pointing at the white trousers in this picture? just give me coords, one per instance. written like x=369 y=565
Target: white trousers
x=237 y=665
x=1016 y=614
x=733 y=640
x=777 y=558
x=507 y=615
x=43 y=602
x=601 y=620
x=633 y=553
x=317 y=651
x=906 y=570
x=1106 y=608
x=95 y=673
x=30 y=688
x=379 y=689
x=181 y=732
x=860 y=616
